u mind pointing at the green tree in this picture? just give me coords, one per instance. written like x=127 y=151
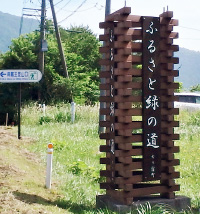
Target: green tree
x=82 y=42
x=82 y=56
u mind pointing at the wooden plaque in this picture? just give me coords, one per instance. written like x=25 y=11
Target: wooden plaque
x=151 y=99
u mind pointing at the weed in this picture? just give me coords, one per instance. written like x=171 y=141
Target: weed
x=76 y=152
x=45 y=119
x=159 y=209
x=63 y=117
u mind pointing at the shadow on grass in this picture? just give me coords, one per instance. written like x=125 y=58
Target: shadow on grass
x=61 y=203
x=31 y=199
x=74 y=207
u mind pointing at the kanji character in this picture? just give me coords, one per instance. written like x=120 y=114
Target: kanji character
x=152 y=101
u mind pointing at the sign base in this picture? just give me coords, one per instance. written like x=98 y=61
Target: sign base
x=180 y=203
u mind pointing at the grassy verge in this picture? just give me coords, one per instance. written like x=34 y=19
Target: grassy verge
x=189 y=156
x=22 y=177
x=76 y=150
x=76 y=153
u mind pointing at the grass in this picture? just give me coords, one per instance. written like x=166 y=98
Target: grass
x=190 y=156
x=76 y=150
x=21 y=179
x=76 y=154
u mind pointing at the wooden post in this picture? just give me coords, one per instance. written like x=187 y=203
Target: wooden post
x=64 y=65
x=19 y=111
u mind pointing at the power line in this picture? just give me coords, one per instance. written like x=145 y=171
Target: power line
x=189 y=28
x=101 y=6
x=63 y=6
x=190 y=38
x=80 y=11
x=31 y=12
x=39 y=2
x=74 y=11
x=58 y=2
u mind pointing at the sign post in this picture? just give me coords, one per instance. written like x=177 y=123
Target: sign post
x=19 y=111
x=20 y=76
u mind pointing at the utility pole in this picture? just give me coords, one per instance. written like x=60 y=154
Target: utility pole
x=102 y=80
x=64 y=65
x=42 y=36
x=108 y=5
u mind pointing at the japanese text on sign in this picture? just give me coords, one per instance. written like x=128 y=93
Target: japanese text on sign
x=20 y=75
x=151 y=100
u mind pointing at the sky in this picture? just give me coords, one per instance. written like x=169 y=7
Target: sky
x=91 y=12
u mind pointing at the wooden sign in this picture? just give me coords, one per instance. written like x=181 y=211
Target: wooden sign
x=151 y=99
x=139 y=112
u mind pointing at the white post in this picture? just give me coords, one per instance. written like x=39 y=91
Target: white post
x=49 y=165
x=44 y=109
x=73 y=104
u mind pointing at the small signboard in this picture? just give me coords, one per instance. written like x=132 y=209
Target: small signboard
x=20 y=76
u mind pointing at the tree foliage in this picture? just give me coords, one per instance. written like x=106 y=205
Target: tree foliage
x=82 y=56
x=195 y=88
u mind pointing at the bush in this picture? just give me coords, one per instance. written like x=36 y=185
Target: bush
x=63 y=117
x=45 y=119
x=55 y=88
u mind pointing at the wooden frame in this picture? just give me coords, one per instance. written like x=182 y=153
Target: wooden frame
x=124 y=149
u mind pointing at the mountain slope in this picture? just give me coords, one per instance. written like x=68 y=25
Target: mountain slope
x=10 y=26
x=189 y=67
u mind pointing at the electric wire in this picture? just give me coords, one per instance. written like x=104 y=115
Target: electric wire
x=96 y=5
x=189 y=28
x=190 y=38
x=63 y=7
x=101 y=7
x=29 y=12
x=58 y=2
x=74 y=11
x=55 y=4
x=80 y=11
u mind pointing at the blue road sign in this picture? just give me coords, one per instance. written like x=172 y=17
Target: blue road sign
x=20 y=76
